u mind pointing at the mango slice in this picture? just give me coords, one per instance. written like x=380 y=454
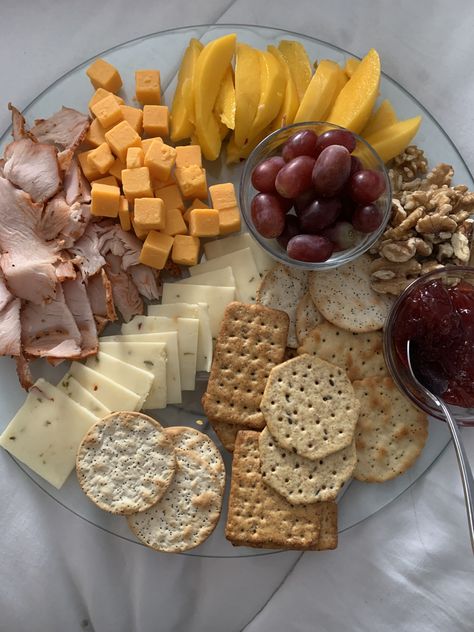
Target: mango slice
x=354 y=103
x=390 y=141
x=211 y=67
x=182 y=110
x=247 y=91
x=272 y=91
x=299 y=64
x=225 y=102
x=290 y=102
x=382 y=117
x=321 y=92
x=351 y=64
x=234 y=153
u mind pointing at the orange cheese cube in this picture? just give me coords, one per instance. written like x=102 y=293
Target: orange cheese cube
x=105 y=200
x=171 y=197
x=192 y=181
x=90 y=172
x=149 y=214
x=134 y=116
x=222 y=196
x=101 y=158
x=204 y=222
x=100 y=93
x=156 y=249
x=160 y=159
x=188 y=155
x=135 y=157
x=110 y=180
x=146 y=142
x=107 y=111
x=185 y=250
x=195 y=204
x=104 y=75
x=156 y=120
x=124 y=214
x=139 y=232
x=174 y=222
x=147 y=86
x=136 y=183
x=121 y=137
x=116 y=169
x=95 y=134
x=229 y=220
x=159 y=184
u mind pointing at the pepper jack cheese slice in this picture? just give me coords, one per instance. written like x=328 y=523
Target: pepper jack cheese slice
x=46 y=432
x=224 y=277
x=219 y=247
x=82 y=396
x=111 y=394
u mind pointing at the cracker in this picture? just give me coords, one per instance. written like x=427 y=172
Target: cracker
x=300 y=480
x=390 y=433
x=360 y=355
x=188 y=512
x=226 y=433
x=328 y=533
x=125 y=463
x=257 y=515
x=282 y=288
x=251 y=342
x=310 y=407
x=307 y=317
x=344 y=297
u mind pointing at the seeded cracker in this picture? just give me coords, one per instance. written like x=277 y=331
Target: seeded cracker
x=360 y=355
x=251 y=341
x=125 y=462
x=390 y=433
x=307 y=317
x=227 y=433
x=258 y=516
x=310 y=407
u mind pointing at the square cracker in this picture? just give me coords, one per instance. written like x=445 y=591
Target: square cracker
x=251 y=341
x=258 y=516
x=226 y=433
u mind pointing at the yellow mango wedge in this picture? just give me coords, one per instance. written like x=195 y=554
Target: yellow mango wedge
x=299 y=64
x=236 y=154
x=321 y=92
x=182 y=110
x=356 y=100
x=383 y=116
x=272 y=92
x=211 y=67
x=247 y=91
x=351 y=64
x=290 y=102
x=225 y=102
x=390 y=141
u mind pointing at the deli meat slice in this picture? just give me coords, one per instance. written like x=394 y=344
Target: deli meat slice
x=75 y=294
x=145 y=280
x=86 y=251
x=10 y=329
x=126 y=297
x=66 y=129
x=99 y=292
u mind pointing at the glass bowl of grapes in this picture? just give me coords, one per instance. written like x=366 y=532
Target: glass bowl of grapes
x=315 y=195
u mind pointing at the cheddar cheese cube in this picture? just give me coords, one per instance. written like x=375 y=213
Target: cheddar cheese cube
x=171 y=197
x=134 y=116
x=146 y=142
x=148 y=87
x=121 y=137
x=160 y=159
x=222 y=196
x=95 y=134
x=156 y=120
x=110 y=180
x=124 y=214
x=107 y=111
x=100 y=93
x=195 y=204
x=139 y=232
x=156 y=249
x=229 y=220
x=117 y=168
x=105 y=200
x=175 y=224
x=204 y=222
x=101 y=158
x=188 y=155
x=104 y=75
x=136 y=183
x=185 y=250
x=192 y=181
x=149 y=214
x=90 y=172
x=135 y=157
x=159 y=184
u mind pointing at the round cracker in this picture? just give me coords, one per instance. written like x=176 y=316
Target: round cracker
x=300 y=480
x=187 y=514
x=390 y=433
x=344 y=297
x=310 y=406
x=125 y=463
x=307 y=317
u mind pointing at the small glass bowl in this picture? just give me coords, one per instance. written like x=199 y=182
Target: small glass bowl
x=270 y=146
x=450 y=275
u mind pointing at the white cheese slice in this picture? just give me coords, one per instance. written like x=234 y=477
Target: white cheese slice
x=107 y=391
x=150 y=356
x=82 y=396
x=187 y=329
x=46 y=432
x=170 y=338
x=189 y=310
x=224 y=277
x=219 y=247
x=247 y=277
x=216 y=297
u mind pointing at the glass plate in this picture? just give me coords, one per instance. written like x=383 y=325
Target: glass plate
x=164 y=50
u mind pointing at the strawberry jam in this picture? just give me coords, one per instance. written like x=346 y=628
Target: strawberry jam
x=439 y=320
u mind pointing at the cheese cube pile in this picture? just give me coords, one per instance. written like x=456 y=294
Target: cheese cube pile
x=157 y=190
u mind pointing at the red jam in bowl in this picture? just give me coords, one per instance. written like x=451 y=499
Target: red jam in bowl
x=439 y=320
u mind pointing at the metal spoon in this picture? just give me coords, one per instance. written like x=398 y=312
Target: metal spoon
x=464 y=467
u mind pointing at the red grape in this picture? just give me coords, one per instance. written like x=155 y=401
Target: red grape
x=313 y=248
x=291 y=229
x=304 y=200
x=300 y=144
x=295 y=177
x=268 y=215
x=367 y=218
x=336 y=137
x=342 y=235
x=356 y=165
x=319 y=214
x=264 y=174
x=366 y=186
x=331 y=170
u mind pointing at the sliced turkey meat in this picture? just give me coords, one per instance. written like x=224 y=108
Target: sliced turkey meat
x=116 y=241
x=75 y=294
x=18 y=124
x=99 y=292
x=54 y=217
x=86 y=251
x=23 y=371
x=145 y=279
x=76 y=187
x=10 y=329
x=126 y=297
x=5 y=295
x=65 y=129
x=65 y=269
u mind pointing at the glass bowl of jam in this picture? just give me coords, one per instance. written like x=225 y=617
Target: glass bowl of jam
x=436 y=313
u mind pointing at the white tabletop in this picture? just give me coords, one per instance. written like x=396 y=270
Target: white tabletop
x=407 y=568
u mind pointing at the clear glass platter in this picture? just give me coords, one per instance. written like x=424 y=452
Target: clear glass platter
x=164 y=51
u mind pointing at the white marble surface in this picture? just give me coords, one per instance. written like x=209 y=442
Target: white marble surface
x=408 y=568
